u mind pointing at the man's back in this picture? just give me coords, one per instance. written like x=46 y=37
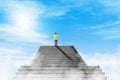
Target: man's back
x=56 y=39
x=56 y=36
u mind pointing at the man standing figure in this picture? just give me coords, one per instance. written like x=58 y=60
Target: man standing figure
x=56 y=39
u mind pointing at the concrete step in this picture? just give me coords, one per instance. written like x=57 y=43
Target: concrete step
x=57 y=78
x=59 y=72
x=52 y=63
x=73 y=74
x=47 y=54
x=68 y=68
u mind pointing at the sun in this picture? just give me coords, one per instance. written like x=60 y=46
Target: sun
x=23 y=20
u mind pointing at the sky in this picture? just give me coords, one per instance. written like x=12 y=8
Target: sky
x=91 y=26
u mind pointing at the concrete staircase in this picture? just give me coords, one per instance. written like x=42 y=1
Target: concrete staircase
x=59 y=63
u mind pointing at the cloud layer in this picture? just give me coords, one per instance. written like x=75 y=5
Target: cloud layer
x=108 y=62
x=18 y=36
x=22 y=23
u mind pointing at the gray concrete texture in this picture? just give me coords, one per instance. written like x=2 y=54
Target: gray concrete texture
x=59 y=63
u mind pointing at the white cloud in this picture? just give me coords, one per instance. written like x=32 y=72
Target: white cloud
x=109 y=62
x=11 y=60
x=55 y=13
x=108 y=30
x=111 y=6
x=107 y=25
x=22 y=23
x=21 y=27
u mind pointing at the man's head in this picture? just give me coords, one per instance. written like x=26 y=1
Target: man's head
x=55 y=33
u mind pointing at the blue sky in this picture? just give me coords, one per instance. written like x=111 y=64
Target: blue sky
x=92 y=26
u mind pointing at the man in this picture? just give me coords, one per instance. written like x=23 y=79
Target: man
x=56 y=39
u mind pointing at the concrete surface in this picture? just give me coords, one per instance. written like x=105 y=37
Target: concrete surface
x=59 y=63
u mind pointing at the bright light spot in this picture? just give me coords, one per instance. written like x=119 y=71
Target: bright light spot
x=23 y=20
